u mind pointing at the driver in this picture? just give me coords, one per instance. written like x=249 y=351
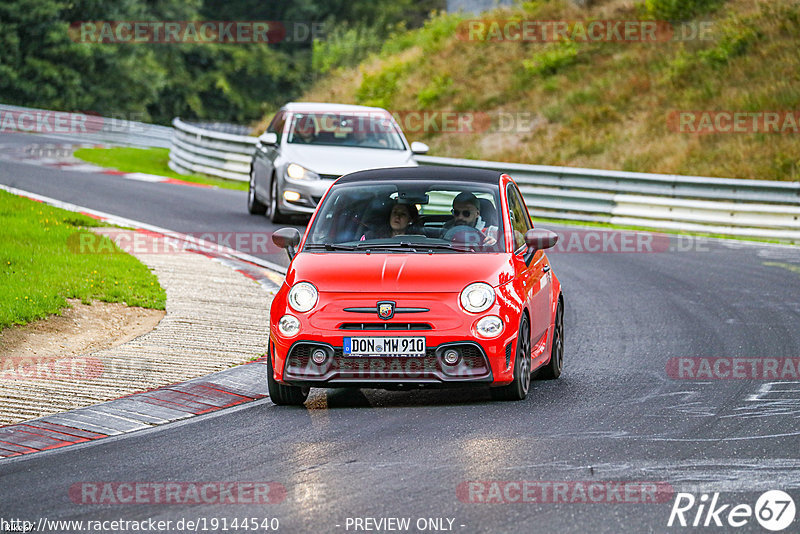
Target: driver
x=466 y=212
x=305 y=131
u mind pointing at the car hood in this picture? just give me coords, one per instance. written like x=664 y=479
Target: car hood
x=404 y=273
x=343 y=160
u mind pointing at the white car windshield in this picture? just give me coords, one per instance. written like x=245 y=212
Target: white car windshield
x=408 y=216
x=367 y=130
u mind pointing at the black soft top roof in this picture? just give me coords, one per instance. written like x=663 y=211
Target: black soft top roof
x=427 y=173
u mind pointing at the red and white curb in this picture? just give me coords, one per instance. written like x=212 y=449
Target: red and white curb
x=224 y=389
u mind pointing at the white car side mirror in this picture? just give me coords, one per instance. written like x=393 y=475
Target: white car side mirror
x=419 y=148
x=268 y=138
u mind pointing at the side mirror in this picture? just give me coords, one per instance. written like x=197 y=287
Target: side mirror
x=538 y=239
x=419 y=148
x=287 y=238
x=268 y=138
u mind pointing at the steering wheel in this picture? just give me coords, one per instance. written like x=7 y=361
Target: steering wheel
x=464 y=235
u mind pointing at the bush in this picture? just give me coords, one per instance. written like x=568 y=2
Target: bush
x=679 y=9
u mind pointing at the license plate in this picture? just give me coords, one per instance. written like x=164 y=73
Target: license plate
x=384 y=346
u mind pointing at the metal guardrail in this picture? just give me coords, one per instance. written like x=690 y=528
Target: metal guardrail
x=750 y=208
x=83 y=127
x=200 y=150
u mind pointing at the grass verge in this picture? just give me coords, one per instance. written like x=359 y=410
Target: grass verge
x=39 y=271
x=148 y=161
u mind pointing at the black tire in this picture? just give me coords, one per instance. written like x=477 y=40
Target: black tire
x=274 y=212
x=282 y=394
x=552 y=370
x=254 y=206
x=518 y=389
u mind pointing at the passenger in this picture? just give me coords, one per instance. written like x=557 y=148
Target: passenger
x=401 y=219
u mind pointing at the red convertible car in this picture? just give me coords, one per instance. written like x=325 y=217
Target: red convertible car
x=416 y=277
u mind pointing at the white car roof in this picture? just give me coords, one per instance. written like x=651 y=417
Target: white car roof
x=322 y=107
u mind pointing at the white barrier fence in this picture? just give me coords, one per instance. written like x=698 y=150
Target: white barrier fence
x=84 y=127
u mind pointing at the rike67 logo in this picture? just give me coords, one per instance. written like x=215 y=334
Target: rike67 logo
x=774 y=510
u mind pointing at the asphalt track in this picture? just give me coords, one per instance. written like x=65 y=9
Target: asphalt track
x=615 y=414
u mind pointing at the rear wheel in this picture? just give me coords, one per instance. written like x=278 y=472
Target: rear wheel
x=283 y=394
x=254 y=206
x=552 y=370
x=275 y=214
x=518 y=389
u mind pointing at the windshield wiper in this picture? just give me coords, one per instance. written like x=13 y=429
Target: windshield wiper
x=405 y=245
x=329 y=246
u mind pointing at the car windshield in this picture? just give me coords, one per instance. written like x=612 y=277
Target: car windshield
x=409 y=217
x=357 y=130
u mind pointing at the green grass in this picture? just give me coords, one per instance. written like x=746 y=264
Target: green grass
x=39 y=270
x=148 y=161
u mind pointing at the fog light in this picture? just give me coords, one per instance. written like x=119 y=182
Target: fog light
x=291 y=196
x=289 y=325
x=489 y=326
x=451 y=356
x=318 y=356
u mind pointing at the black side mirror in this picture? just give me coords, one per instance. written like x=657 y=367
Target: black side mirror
x=287 y=238
x=538 y=239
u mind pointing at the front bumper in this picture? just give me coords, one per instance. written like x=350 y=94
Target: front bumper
x=340 y=370
x=310 y=191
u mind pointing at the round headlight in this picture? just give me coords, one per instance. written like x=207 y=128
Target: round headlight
x=477 y=297
x=489 y=326
x=303 y=296
x=289 y=325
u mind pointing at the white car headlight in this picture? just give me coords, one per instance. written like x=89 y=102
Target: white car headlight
x=289 y=325
x=489 y=326
x=477 y=297
x=303 y=296
x=298 y=172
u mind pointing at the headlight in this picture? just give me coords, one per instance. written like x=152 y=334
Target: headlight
x=298 y=172
x=303 y=296
x=477 y=297
x=489 y=326
x=289 y=325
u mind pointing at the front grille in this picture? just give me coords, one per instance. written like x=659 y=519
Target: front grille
x=330 y=176
x=508 y=355
x=386 y=326
x=472 y=365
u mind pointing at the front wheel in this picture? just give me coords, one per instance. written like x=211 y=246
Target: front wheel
x=283 y=394
x=518 y=389
x=275 y=214
x=553 y=369
x=254 y=206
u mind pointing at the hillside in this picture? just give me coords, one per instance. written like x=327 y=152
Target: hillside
x=608 y=105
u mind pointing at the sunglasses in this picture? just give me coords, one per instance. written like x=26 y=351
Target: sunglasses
x=465 y=213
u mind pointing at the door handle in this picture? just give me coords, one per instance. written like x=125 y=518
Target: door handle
x=546 y=268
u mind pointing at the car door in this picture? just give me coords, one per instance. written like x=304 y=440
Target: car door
x=532 y=275
x=265 y=156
